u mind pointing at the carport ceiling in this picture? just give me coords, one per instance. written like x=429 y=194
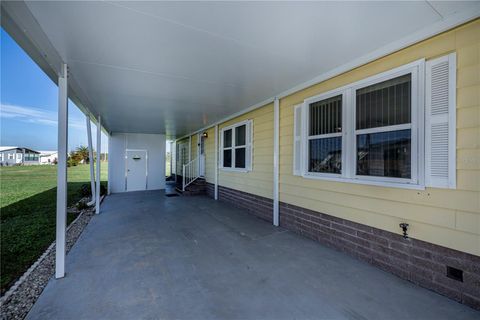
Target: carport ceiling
x=175 y=67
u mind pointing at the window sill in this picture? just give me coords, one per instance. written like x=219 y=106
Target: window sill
x=235 y=170
x=367 y=182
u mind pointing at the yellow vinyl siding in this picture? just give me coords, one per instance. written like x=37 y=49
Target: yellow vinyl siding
x=193 y=146
x=259 y=181
x=210 y=156
x=446 y=217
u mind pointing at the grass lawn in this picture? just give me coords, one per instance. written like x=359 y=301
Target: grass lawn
x=28 y=210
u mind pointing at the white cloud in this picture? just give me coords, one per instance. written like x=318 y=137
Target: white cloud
x=36 y=115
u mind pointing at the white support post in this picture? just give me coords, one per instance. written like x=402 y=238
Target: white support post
x=62 y=174
x=276 y=147
x=171 y=158
x=91 y=160
x=216 y=163
x=199 y=137
x=183 y=178
x=99 y=153
x=109 y=173
x=177 y=155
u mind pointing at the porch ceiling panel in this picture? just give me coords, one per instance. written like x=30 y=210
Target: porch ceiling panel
x=174 y=67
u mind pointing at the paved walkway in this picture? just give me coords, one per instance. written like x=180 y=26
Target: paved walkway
x=148 y=256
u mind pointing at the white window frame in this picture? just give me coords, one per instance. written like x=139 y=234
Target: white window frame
x=11 y=156
x=248 y=146
x=349 y=132
x=306 y=137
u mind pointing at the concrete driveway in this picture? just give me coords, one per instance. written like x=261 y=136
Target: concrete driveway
x=148 y=256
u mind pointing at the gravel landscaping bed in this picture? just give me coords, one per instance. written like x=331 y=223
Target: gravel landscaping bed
x=19 y=299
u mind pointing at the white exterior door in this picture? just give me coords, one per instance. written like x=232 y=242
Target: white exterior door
x=136 y=170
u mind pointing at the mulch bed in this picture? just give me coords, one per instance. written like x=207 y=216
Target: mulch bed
x=19 y=299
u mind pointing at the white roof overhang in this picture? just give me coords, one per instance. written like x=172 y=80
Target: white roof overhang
x=178 y=67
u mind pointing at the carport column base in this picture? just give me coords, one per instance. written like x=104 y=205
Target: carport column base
x=61 y=225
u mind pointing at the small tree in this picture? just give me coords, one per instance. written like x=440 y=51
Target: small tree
x=82 y=154
x=73 y=159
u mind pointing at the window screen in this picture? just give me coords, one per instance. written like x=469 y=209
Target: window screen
x=384 y=104
x=325 y=136
x=384 y=148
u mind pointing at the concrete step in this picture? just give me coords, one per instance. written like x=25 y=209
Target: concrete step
x=198 y=187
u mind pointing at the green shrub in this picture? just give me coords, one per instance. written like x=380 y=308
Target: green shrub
x=82 y=205
x=72 y=162
x=86 y=190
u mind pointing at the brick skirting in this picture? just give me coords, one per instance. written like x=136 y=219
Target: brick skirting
x=259 y=206
x=420 y=262
x=210 y=190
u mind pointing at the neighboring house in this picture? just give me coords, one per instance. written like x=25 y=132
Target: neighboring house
x=48 y=157
x=10 y=156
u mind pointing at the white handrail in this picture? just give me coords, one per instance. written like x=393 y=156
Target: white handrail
x=190 y=173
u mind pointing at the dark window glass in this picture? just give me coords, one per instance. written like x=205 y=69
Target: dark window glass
x=325 y=155
x=385 y=154
x=240 y=133
x=326 y=116
x=384 y=104
x=240 y=158
x=227 y=158
x=227 y=138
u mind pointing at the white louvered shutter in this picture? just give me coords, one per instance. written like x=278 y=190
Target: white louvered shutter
x=297 y=141
x=440 y=104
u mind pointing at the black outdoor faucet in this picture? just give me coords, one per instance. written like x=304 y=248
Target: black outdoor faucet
x=404 y=227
